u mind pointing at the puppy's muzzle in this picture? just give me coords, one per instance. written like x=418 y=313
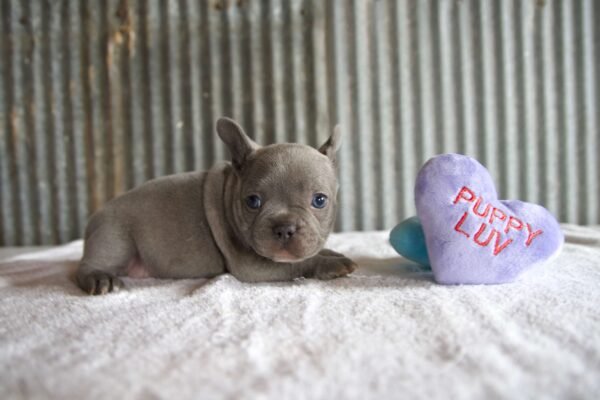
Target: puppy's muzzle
x=283 y=233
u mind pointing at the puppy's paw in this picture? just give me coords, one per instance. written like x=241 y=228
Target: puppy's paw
x=330 y=253
x=99 y=282
x=332 y=267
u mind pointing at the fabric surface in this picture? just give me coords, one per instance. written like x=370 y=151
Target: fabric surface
x=387 y=331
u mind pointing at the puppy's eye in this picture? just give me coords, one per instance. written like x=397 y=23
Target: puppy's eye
x=319 y=200
x=254 y=201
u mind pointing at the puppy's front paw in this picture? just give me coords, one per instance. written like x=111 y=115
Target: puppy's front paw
x=334 y=267
x=99 y=282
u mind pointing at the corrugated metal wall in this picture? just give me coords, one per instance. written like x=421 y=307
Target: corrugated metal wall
x=99 y=96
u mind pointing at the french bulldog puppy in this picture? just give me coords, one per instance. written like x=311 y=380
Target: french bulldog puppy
x=263 y=217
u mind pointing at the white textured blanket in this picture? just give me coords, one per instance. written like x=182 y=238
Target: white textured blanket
x=385 y=332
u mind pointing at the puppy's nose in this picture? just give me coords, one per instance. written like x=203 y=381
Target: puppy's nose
x=284 y=232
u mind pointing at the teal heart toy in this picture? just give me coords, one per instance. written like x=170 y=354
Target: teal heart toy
x=408 y=239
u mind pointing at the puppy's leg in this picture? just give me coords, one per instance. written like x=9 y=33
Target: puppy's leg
x=330 y=253
x=107 y=252
x=328 y=264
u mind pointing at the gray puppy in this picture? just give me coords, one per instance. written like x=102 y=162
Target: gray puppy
x=263 y=217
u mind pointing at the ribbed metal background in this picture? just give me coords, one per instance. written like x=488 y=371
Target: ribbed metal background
x=99 y=96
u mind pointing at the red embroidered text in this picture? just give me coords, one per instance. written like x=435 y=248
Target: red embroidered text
x=496 y=225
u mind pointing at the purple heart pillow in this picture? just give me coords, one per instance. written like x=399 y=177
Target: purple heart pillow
x=472 y=237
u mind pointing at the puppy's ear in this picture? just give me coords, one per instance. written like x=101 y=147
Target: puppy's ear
x=239 y=144
x=332 y=145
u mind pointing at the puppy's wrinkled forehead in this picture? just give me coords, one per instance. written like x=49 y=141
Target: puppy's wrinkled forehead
x=290 y=167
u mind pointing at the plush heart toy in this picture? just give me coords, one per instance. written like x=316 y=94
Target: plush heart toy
x=471 y=236
x=408 y=239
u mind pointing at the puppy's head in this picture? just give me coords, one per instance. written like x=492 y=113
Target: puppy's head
x=284 y=195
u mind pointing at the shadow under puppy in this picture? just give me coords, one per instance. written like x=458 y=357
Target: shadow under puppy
x=263 y=217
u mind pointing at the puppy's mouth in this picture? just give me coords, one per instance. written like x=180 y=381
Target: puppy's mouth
x=281 y=254
x=299 y=244
x=285 y=256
